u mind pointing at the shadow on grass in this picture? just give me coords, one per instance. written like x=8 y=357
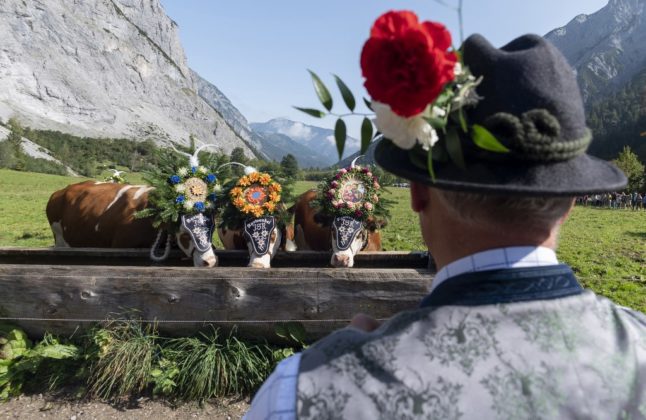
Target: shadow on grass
x=641 y=235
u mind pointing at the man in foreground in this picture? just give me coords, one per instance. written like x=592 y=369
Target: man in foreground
x=506 y=332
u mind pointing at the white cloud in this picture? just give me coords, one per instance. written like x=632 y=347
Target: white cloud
x=296 y=131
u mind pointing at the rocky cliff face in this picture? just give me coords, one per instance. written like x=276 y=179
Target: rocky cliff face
x=103 y=68
x=607 y=48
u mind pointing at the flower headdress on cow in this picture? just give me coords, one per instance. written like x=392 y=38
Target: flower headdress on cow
x=500 y=121
x=252 y=203
x=185 y=193
x=349 y=200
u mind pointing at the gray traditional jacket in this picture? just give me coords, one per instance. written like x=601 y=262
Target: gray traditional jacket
x=525 y=343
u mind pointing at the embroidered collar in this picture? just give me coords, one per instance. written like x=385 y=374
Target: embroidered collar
x=492 y=259
x=506 y=285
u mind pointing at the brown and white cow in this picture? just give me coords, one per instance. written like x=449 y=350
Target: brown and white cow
x=102 y=215
x=313 y=232
x=260 y=254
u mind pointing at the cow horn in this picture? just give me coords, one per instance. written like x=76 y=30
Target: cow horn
x=188 y=155
x=247 y=169
x=355 y=160
x=193 y=160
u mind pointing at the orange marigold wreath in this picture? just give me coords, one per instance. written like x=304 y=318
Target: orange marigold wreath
x=256 y=194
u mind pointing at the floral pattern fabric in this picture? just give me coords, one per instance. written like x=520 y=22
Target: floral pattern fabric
x=574 y=357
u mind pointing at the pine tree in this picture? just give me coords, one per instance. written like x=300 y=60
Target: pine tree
x=289 y=166
x=629 y=163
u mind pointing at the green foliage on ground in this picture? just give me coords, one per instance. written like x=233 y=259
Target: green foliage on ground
x=607 y=250
x=127 y=358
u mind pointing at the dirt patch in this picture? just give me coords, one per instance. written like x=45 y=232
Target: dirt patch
x=44 y=406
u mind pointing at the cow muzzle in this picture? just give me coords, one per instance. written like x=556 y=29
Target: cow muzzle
x=342 y=260
x=206 y=259
x=194 y=238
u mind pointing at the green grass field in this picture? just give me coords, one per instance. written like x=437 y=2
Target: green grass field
x=606 y=248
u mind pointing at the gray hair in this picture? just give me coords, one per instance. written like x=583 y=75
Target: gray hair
x=504 y=210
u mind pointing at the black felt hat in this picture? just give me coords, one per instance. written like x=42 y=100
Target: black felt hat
x=532 y=104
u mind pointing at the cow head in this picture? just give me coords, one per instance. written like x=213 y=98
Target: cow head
x=194 y=239
x=349 y=236
x=263 y=240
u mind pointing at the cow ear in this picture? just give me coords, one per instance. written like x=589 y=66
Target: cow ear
x=322 y=219
x=373 y=224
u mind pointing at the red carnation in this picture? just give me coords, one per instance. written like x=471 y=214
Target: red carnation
x=406 y=63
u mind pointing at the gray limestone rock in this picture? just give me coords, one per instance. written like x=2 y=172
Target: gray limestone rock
x=103 y=68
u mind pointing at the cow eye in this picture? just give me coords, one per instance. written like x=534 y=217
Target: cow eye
x=184 y=240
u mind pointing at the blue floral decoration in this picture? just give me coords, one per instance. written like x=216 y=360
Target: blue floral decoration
x=174 y=179
x=194 y=169
x=180 y=199
x=210 y=178
x=199 y=206
x=212 y=197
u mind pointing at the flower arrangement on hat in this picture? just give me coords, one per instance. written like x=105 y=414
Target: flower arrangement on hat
x=419 y=90
x=353 y=191
x=180 y=188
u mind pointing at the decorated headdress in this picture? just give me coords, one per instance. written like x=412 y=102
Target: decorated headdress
x=184 y=194
x=253 y=204
x=349 y=200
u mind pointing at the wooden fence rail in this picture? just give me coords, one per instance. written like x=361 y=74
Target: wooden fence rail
x=65 y=298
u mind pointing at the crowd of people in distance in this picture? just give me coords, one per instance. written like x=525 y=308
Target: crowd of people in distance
x=615 y=200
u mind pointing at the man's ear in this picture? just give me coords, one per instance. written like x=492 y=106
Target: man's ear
x=419 y=196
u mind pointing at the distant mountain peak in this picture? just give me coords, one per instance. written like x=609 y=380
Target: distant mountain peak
x=319 y=141
x=606 y=47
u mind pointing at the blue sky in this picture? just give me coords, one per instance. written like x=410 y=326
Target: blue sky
x=258 y=51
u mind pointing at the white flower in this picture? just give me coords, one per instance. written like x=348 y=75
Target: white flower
x=188 y=204
x=202 y=169
x=180 y=188
x=404 y=132
x=457 y=69
x=182 y=171
x=438 y=112
x=217 y=188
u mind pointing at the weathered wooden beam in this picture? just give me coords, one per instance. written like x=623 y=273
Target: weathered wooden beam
x=62 y=299
x=227 y=258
